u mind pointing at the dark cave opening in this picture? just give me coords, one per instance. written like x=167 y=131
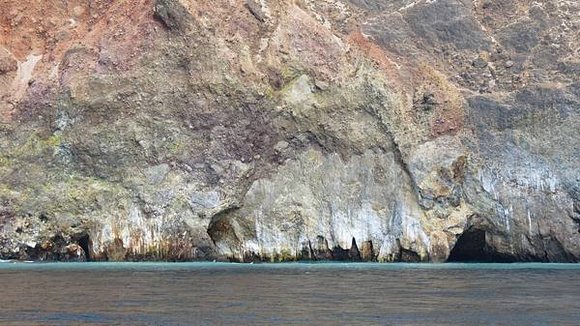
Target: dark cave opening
x=84 y=241
x=470 y=247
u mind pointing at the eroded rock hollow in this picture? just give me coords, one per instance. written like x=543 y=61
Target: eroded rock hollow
x=295 y=129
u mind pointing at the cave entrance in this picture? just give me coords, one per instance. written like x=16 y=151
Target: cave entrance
x=84 y=241
x=470 y=247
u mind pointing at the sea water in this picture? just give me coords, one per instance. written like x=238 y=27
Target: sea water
x=288 y=294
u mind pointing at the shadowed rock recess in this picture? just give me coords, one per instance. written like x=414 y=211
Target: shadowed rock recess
x=262 y=130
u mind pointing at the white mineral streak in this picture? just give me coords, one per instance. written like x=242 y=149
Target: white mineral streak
x=102 y=236
x=319 y=195
x=141 y=234
x=536 y=178
x=529 y=223
x=24 y=75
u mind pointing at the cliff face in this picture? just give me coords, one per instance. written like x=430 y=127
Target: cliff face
x=280 y=130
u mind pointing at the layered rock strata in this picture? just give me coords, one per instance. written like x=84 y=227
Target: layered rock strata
x=268 y=130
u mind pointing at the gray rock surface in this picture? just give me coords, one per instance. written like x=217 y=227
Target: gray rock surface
x=283 y=130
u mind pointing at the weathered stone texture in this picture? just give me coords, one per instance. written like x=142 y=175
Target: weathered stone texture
x=281 y=130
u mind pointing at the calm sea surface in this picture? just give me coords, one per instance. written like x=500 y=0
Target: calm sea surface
x=289 y=294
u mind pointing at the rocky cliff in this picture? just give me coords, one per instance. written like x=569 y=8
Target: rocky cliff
x=374 y=130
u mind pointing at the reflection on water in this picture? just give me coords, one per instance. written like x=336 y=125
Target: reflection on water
x=289 y=294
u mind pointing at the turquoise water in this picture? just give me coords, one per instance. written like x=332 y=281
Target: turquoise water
x=289 y=294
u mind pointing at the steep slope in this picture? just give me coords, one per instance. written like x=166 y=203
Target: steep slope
x=282 y=130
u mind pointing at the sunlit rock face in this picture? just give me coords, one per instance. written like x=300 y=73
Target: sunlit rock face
x=283 y=130
x=320 y=200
